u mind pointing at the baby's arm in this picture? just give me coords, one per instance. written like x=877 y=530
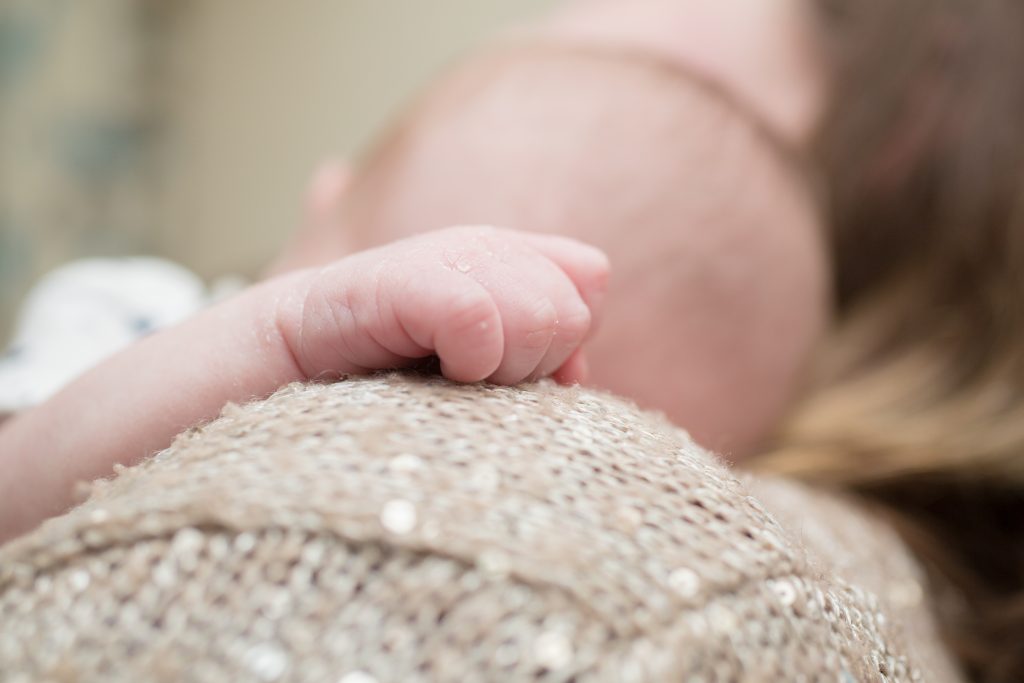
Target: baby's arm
x=491 y=304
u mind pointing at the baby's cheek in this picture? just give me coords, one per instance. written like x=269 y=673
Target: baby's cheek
x=685 y=382
x=725 y=367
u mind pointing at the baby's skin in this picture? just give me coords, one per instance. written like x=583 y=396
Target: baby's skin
x=490 y=304
x=716 y=304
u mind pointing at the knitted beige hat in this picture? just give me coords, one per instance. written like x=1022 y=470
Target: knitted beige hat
x=397 y=528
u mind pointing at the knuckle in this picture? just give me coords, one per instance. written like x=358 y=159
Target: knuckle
x=470 y=310
x=541 y=323
x=317 y=324
x=573 y=326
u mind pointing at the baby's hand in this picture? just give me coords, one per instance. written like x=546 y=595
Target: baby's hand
x=492 y=304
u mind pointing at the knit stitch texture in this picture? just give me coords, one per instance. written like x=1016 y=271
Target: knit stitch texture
x=401 y=528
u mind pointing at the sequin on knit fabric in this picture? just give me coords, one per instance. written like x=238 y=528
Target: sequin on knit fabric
x=398 y=528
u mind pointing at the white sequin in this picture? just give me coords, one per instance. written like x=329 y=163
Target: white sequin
x=79 y=580
x=398 y=516
x=266 y=661
x=494 y=563
x=684 y=581
x=188 y=540
x=784 y=591
x=244 y=543
x=553 y=650
x=405 y=462
x=98 y=516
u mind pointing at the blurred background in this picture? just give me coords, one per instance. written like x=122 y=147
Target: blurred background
x=188 y=129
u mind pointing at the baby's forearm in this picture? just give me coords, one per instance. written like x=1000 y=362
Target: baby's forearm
x=137 y=401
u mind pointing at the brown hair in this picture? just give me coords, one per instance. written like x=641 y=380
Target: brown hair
x=918 y=405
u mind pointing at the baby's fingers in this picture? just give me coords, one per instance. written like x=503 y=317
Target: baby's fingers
x=457 y=318
x=529 y=321
x=543 y=317
x=585 y=265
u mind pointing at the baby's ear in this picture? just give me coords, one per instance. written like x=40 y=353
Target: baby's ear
x=320 y=238
x=325 y=194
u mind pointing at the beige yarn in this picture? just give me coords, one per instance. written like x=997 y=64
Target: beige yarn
x=398 y=528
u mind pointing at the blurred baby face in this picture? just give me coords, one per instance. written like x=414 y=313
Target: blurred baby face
x=718 y=284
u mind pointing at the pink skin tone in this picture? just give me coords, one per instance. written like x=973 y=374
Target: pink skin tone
x=492 y=304
x=764 y=53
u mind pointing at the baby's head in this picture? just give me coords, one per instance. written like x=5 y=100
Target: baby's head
x=719 y=280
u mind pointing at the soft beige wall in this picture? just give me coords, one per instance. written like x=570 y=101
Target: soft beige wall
x=75 y=130
x=258 y=91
